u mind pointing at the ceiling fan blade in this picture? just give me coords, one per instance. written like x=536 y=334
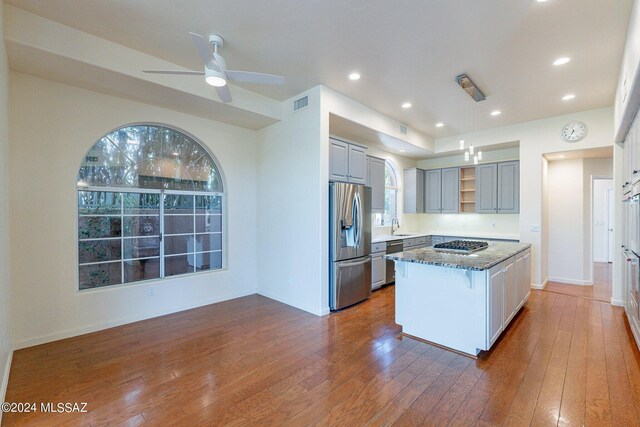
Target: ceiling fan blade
x=204 y=49
x=186 y=73
x=250 y=77
x=224 y=93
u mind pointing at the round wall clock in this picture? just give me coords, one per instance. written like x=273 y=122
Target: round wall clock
x=573 y=131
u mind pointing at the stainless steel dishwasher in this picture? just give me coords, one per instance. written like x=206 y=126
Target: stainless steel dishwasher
x=393 y=246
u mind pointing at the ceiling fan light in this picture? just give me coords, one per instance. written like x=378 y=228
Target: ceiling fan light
x=215 y=81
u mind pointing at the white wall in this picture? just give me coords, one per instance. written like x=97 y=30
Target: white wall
x=5 y=297
x=291 y=211
x=500 y=155
x=537 y=138
x=468 y=224
x=569 y=217
x=566 y=221
x=52 y=127
x=599 y=220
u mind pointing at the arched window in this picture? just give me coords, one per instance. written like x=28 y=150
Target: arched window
x=390 y=193
x=149 y=206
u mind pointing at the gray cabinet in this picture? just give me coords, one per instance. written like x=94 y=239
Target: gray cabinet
x=378 y=270
x=498 y=188
x=495 y=287
x=433 y=191
x=347 y=162
x=487 y=188
x=357 y=164
x=510 y=290
x=413 y=191
x=338 y=160
x=450 y=190
x=375 y=175
x=441 y=190
x=509 y=187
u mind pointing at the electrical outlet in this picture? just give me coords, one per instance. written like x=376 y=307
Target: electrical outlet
x=150 y=292
x=535 y=228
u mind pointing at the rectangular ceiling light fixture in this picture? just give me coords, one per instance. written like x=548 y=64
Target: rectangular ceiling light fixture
x=465 y=83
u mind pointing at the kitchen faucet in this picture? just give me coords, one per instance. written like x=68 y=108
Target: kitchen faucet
x=395 y=221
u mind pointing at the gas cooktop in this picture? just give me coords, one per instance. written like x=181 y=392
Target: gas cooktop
x=461 y=246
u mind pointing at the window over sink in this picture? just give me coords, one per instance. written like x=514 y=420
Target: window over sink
x=391 y=189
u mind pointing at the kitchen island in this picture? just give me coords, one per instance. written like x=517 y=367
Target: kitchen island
x=461 y=301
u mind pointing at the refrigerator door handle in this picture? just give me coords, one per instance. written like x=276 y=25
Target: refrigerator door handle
x=359 y=220
x=360 y=261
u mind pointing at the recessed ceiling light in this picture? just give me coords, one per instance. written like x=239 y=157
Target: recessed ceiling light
x=561 y=156
x=496 y=113
x=402 y=151
x=406 y=105
x=561 y=61
x=568 y=97
x=439 y=125
x=354 y=76
x=541 y=1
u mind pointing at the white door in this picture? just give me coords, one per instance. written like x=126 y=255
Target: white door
x=610 y=224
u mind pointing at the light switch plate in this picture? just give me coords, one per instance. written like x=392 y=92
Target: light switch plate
x=535 y=228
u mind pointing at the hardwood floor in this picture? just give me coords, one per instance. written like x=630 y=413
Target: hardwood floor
x=564 y=360
x=599 y=290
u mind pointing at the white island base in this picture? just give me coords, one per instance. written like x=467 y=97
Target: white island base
x=464 y=310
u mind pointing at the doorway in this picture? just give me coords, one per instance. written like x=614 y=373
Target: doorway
x=602 y=219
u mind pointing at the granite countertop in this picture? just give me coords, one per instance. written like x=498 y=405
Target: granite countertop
x=478 y=236
x=478 y=261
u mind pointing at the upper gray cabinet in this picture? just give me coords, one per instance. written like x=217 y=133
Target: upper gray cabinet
x=498 y=188
x=347 y=162
x=433 y=191
x=375 y=168
x=450 y=190
x=441 y=188
x=509 y=187
x=487 y=188
x=413 y=190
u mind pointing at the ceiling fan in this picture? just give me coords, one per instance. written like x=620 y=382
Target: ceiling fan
x=215 y=68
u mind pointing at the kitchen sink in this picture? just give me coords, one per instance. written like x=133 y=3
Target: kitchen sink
x=402 y=235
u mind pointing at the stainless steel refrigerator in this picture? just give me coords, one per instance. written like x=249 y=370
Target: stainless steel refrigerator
x=349 y=244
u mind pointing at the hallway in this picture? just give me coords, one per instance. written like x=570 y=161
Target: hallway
x=599 y=291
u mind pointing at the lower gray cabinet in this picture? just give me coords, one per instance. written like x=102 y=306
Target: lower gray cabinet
x=375 y=180
x=509 y=187
x=378 y=270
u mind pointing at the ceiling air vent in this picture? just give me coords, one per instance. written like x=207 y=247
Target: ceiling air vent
x=300 y=103
x=404 y=130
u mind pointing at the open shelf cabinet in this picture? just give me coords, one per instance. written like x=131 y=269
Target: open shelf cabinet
x=468 y=189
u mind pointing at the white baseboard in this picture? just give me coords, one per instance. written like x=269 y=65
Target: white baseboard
x=617 y=302
x=5 y=381
x=29 y=342
x=540 y=287
x=570 y=281
x=283 y=300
